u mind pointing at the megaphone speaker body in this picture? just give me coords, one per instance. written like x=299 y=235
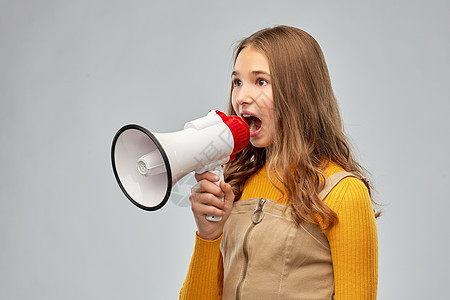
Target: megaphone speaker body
x=147 y=165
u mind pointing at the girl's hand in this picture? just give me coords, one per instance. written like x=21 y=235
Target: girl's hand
x=205 y=201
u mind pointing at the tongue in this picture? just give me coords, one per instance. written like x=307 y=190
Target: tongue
x=255 y=124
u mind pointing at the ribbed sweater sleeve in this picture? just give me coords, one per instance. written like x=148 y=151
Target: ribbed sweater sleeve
x=205 y=275
x=353 y=241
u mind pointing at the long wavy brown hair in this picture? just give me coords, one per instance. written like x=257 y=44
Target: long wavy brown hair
x=307 y=125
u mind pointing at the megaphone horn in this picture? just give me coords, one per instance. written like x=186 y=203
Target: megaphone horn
x=147 y=165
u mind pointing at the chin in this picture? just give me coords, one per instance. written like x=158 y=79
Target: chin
x=259 y=144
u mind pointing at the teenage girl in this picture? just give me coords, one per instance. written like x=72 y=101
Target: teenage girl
x=297 y=217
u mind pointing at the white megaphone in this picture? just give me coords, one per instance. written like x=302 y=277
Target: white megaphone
x=147 y=165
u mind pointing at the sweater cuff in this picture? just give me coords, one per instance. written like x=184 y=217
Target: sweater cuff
x=206 y=247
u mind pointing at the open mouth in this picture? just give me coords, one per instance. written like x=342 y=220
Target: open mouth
x=254 y=123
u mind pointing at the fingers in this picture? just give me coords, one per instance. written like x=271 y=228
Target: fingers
x=207 y=176
x=207 y=199
x=205 y=186
x=201 y=210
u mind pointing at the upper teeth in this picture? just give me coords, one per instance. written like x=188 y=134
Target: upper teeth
x=246 y=116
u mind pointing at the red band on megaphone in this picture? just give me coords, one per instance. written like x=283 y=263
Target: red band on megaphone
x=239 y=129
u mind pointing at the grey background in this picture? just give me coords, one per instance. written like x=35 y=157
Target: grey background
x=73 y=72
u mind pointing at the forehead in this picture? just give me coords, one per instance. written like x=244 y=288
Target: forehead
x=251 y=59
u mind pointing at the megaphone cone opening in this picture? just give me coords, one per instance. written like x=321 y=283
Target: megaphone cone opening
x=148 y=192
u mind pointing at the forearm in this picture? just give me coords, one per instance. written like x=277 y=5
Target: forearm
x=204 y=277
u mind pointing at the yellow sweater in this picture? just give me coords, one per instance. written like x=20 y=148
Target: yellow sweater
x=353 y=242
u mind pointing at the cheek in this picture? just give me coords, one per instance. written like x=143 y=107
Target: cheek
x=235 y=106
x=267 y=107
x=266 y=99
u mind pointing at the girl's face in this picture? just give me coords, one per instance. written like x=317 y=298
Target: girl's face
x=252 y=97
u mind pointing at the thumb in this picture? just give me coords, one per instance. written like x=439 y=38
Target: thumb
x=228 y=192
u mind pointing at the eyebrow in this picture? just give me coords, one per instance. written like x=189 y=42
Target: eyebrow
x=257 y=72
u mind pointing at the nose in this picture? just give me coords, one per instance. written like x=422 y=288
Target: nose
x=244 y=95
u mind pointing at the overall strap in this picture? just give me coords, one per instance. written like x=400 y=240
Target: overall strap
x=332 y=181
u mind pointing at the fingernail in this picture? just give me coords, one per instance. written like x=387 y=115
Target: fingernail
x=216 y=178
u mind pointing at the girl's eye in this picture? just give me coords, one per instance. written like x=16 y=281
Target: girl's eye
x=262 y=82
x=237 y=82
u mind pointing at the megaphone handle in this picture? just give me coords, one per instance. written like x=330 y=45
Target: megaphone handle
x=219 y=172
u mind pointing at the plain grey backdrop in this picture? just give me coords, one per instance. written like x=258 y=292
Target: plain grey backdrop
x=73 y=72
